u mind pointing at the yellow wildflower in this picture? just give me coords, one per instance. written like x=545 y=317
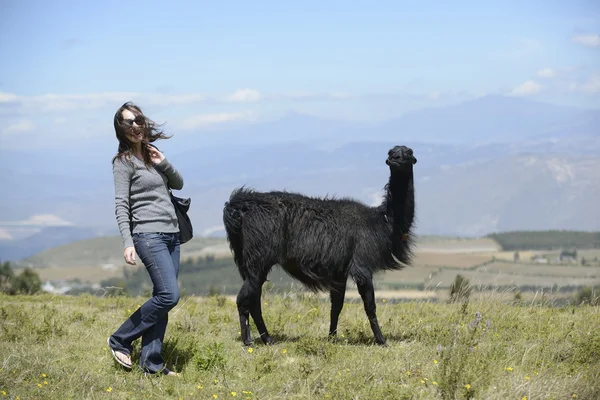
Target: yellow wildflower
x=233 y=394
x=435 y=361
x=508 y=369
x=200 y=387
x=468 y=386
x=3 y=393
x=45 y=382
x=250 y=350
x=109 y=389
x=434 y=382
x=43 y=375
x=284 y=351
x=524 y=398
x=215 y=396
x=39 y=385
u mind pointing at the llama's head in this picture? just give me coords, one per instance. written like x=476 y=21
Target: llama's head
x=400 y=157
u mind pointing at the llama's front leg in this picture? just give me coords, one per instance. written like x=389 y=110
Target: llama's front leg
x=367 y=292
x=243 y=304
x=337 y=294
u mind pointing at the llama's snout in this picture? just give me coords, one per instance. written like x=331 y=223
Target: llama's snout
x=401 y=155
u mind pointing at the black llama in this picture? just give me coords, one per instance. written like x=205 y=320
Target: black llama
x=321 y=242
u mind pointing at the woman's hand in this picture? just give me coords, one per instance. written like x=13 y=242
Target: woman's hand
x=155 y=155
x=129 y=255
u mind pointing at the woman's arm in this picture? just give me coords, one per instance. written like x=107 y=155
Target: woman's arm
x=122 y=181
x=175 y=179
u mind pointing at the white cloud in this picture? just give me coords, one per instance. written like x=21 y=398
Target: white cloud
x=527 y=88
x=212 y=229
x=205 y=120
x=19 y=127
x=546 y=73
x=8 y=97
x=39 y=221
x=71 y=102
x=170 y=99
x=376 y=198
x=60 y=103
x=5 y=235
x=518 y=48
x=588 y=40
x=244 y=96
x=591 y=86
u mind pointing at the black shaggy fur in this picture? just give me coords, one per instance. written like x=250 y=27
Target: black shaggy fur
x=321 y=242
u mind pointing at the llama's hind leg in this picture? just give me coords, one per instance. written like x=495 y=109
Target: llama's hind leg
x=243 y=304
x=256 y=312
x=248 y=303
x=367 y=292
x=336 y=294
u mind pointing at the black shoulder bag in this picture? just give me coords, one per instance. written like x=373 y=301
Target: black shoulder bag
x=186 y=231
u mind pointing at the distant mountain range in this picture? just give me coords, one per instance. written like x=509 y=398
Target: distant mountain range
x=45 y=239
x=490 y=164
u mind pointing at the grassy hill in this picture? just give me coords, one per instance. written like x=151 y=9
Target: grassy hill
x=207 y=267
x=55 y=347
x=547 y=240
x=105 y=250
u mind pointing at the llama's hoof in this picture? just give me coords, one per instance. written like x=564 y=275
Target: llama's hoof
x=268 y=341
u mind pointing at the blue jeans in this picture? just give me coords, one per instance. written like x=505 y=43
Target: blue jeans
x=160 y=254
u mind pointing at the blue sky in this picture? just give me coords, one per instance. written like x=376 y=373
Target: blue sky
x=67 y=65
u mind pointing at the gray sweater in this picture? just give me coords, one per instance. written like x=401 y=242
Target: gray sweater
x=142 y=200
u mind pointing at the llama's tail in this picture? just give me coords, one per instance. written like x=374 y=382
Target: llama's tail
x=232 y=220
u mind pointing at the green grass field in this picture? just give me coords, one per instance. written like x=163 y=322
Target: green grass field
x=54 y=347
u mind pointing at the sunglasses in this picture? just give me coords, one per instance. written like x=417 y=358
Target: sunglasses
x=139 y=120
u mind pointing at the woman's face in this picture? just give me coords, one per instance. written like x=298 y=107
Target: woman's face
x=134 y=126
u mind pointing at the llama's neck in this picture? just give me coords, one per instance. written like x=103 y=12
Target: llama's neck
x=399 y=202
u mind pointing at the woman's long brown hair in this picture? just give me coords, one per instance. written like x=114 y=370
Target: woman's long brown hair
x=151 y=133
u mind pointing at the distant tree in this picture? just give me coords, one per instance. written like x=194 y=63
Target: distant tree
x=588 y=295
x=6 y=276
x=460 y=289
x=28 y=282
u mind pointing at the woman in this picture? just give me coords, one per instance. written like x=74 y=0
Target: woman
x=148 y=224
